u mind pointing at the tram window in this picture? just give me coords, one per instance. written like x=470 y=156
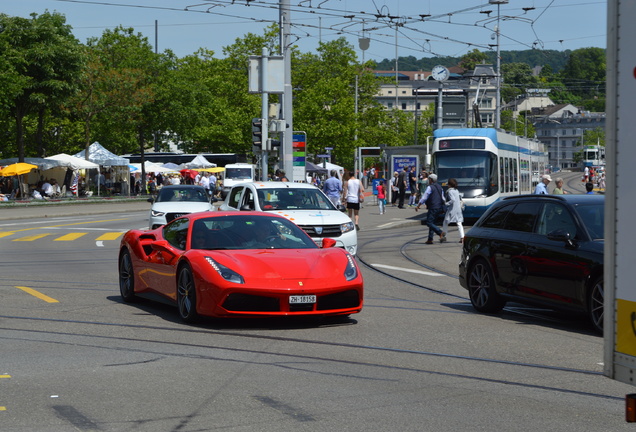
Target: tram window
x=502 y=179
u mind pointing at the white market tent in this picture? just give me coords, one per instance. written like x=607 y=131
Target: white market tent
x=105 y=158
x=340 y=170
x=200 y=162
x=73 y=162
x=153 y=167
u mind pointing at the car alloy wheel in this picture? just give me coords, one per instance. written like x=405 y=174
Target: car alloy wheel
x=596 y=301
x=126 y=277
x=481 y=288
x=186 y=295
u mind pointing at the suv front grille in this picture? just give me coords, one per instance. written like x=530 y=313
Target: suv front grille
x=327 y=230
x=172 y=216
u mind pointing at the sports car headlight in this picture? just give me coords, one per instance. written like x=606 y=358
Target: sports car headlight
x=226 y=273
x=155 y=213
x=351 y=272
x=346 y=227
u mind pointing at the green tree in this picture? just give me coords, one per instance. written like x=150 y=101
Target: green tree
x=517 y=78
x=584 y=76
x=471 y=59
x=42 y=60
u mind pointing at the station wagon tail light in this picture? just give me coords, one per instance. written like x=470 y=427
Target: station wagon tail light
x=351 y=272
x=346 y=227
x=226 y=273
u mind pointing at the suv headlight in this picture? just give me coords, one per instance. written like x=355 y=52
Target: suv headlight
x=346 y=227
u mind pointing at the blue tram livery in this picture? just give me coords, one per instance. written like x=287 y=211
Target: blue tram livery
x=488 y=164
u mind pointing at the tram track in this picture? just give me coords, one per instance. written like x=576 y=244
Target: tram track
x=517 y=309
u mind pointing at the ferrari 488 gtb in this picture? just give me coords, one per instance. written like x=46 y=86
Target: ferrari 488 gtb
x=224 y=264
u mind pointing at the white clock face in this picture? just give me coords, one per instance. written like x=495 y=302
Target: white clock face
x=439 y=73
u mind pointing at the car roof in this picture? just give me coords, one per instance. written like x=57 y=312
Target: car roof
x=182 y=186
x=573 y=199
x=277 y=185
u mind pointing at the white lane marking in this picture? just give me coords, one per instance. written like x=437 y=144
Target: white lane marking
x=99 y=243
x=406 y=270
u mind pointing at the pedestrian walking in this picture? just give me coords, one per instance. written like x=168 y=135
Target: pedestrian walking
x=454 y=212
x=434 y=200
x=394 y=188
x=401 y=183
x=381 y=197
x=352 y=193
x=332 y=187
x=542 y=186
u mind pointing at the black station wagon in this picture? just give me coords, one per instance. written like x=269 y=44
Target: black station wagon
x=544 y=250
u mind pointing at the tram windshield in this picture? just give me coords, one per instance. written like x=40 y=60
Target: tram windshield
x=475 y=171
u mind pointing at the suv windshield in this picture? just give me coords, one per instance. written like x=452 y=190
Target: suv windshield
x=182 y=194
x=293 y=199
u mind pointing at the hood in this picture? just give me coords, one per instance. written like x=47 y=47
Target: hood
x=182 y=207
x=285 y=264
x=313 y=217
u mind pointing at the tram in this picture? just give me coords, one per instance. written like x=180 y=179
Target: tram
x=593 y=156
x=488 y=164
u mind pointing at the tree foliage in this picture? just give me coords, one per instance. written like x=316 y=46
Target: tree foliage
x=42 y=60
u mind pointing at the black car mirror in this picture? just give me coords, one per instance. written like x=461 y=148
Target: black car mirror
x=151 y=200
x=561 y=235
x=246 y=207
x=342 y=208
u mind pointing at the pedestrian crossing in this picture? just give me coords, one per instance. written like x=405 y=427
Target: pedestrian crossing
x=21 y=237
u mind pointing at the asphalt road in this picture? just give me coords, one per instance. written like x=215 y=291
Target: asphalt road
x=74 y=357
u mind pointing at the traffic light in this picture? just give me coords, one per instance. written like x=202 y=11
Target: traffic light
x=273 y=144
x=257 y=133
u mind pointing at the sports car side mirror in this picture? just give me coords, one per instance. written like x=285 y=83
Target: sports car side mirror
x=328 y=243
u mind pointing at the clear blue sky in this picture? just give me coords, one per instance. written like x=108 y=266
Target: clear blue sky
x=453 y=28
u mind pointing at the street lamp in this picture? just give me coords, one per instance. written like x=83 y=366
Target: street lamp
x=416 y=109
x=499 y=76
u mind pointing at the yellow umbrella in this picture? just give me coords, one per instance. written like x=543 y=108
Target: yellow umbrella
x=17 y=169
x=212 y=170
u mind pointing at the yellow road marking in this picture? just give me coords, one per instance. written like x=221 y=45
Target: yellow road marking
x=32 y=238
x=5 y=376
x=110 y=236
x=5 y=234
x=38 y=294
x=70 y=237
x=69 y=224
x=3 y=408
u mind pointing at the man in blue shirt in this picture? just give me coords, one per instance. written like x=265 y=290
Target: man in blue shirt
x=333 y=188
x=542 y=186
x=434 y=200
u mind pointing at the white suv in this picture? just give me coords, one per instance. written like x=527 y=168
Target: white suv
x=302 y=203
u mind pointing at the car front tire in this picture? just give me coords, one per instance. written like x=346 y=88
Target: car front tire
x=126 y=277
x=481 y=288
x=596 y=300
x=186 y=295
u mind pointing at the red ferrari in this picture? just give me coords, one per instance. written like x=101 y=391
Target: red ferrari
x=225 y=264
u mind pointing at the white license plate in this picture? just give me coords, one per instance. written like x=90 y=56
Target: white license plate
x=300 y=299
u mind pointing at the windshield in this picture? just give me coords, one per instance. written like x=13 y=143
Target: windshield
x=182 y=194
x=475 y=171
x=238 y=173
x=593 y=217
x=248 y=232
x=293 y=199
